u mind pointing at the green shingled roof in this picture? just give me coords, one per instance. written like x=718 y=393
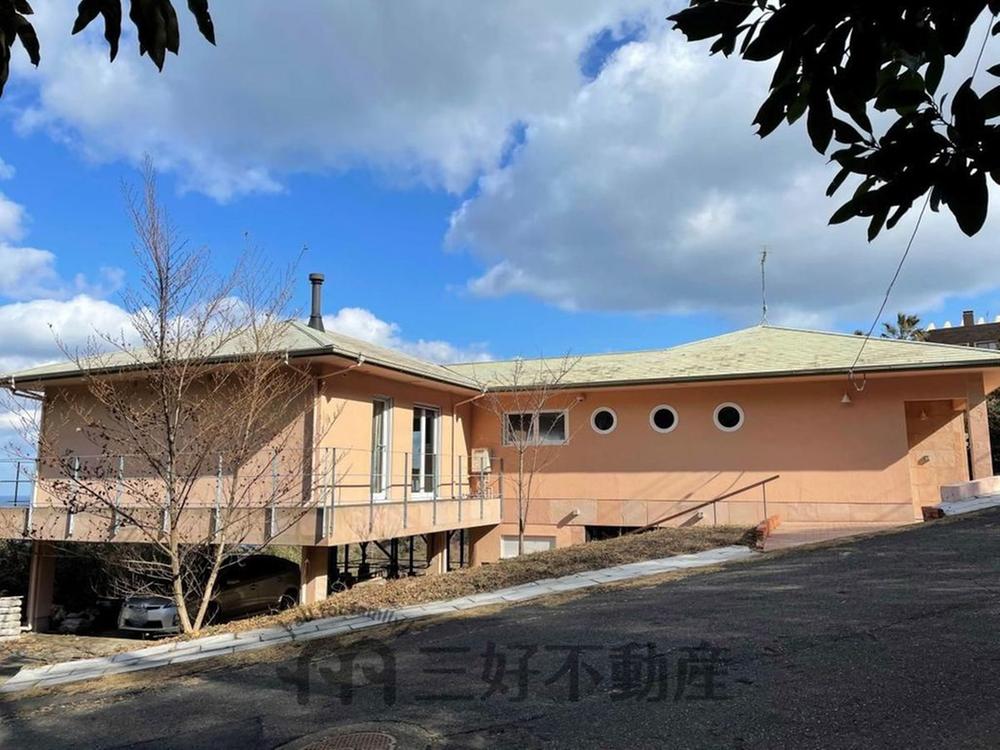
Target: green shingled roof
x=761 y=351
x=297 y=340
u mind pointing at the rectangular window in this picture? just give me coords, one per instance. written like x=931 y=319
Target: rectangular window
x=987 y=345
x=424 y=457
x=538 y=428
x=508 y=545
x=381 y=430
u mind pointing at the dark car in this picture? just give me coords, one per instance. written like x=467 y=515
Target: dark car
x=258 y=583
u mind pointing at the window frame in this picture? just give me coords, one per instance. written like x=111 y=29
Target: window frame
x=534 y=440
x=382 y=495
x=725 y=405
x=672 y=410
x=593 y=424
x=437 y=413
x=511 y=539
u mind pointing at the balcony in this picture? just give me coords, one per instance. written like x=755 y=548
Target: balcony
x=334 y=496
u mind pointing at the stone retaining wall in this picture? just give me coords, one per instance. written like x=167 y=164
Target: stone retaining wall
x=10 y=617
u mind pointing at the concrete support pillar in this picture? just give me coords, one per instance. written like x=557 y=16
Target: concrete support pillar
x=977 y=419
x=315 y=574
x=484 y=545
x=41 y=578
x=437 y=552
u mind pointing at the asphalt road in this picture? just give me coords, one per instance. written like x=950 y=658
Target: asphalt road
x=890 y=641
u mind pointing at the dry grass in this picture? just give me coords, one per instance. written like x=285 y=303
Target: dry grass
x=33 y=650
x=535 y=567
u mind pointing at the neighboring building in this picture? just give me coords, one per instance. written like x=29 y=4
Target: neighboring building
x=731 y=429
x=979 y=334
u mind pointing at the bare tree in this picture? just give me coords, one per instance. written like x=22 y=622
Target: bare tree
x=203 y=434
x=530 y=405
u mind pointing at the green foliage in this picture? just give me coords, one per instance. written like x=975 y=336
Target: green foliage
x=906 y=328
x=837 y=61
x=155 y=22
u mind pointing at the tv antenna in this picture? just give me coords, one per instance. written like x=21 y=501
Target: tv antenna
x=763 y=285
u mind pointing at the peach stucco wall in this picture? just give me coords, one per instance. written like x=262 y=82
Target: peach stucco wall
x=345 y=423
x=837 y=463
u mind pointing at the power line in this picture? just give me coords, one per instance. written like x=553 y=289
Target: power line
x=892 y=283
x=916 y=228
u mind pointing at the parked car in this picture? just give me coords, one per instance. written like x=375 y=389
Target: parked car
x=258 y=583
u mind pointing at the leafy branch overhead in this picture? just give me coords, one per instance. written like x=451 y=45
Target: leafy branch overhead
x=839 y=61
x=155 y=22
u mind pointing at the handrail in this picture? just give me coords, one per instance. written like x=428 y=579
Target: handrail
x=726 y=496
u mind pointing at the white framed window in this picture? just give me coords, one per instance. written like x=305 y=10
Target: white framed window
x=508 y=545
x=537 y=428
x=663 y=418
x=381 y=439
x=987 y=345
x=728 y=417
x=424 y=467
x=603 y=420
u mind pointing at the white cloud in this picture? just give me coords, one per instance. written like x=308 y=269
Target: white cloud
x=31 y=332
x=649 y=192
x=641 y=190
x=12 y=217
x=365 y=325
x=424 y=90
x=28 y=272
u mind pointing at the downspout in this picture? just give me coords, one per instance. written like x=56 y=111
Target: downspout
x=361 y=361
x=12 y=387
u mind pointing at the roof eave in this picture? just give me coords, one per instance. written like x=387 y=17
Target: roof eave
x=36 y=381
x=772 y=375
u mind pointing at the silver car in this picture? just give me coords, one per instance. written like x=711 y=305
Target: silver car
x=259 y=583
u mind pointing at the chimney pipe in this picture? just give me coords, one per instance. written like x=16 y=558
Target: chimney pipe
x=968 y=318
x=316 y=316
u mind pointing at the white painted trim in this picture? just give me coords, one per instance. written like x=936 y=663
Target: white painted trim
x=423 y=495
x=614 y=424
x=720 y=407
x=672 y=410
x=565 y=415
x=390 y=406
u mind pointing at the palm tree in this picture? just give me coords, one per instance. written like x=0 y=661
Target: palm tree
x=907 y=328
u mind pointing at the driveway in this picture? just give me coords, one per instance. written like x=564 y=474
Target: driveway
x=889 y=641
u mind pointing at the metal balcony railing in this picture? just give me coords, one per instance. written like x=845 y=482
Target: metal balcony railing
x=17 y=481
x=333 y=475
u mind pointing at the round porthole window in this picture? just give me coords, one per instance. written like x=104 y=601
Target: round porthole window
x=728 y=417
x=603 y=420
x=663 y=418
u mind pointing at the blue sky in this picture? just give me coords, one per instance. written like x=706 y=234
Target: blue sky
x=567 y=178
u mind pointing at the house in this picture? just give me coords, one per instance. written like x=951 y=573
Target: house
x=729 y=430
x=972 y=332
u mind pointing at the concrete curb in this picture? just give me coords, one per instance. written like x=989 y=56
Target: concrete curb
x=958 y=507
x=251 y=640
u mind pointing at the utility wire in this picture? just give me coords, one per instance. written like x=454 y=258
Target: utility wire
x=916 y=228
x=892 y=283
